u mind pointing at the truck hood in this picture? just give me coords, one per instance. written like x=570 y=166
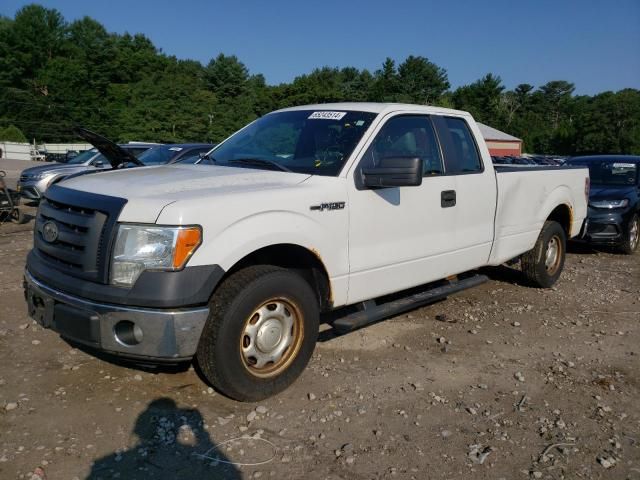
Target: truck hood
x=149 y=189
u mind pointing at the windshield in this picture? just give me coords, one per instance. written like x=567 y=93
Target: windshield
x=609 y=172
x=159 y=155
x=83 y=157
x=303 y=141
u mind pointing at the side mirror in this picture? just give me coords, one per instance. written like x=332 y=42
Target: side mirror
x=99 y=164
x=394 y=172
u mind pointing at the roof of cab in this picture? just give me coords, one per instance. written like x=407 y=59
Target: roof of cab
x=377 y=108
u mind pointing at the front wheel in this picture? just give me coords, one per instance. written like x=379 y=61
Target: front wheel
x=260 y=334
x=543 y=264
x=631 y=236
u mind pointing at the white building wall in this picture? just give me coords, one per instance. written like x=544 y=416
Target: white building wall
x=23 y=151
x=16 y=151
x=63 y=147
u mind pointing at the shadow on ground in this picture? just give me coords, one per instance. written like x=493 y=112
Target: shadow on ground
x=172 y=444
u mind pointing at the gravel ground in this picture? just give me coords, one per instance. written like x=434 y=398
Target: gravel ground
x=498 y=382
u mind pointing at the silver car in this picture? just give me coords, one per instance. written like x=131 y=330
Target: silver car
x=34 y=181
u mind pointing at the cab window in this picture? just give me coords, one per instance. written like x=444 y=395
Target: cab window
x=458 y=145
x=406 y=136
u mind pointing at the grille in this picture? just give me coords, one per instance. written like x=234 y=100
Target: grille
x=79 y=234
x=602 y=228
x=86 y=226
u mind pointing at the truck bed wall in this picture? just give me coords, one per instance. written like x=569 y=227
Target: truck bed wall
x=526 y=198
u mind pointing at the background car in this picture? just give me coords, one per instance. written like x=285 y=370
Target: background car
x=614 y=200
x=176 y=152
x=34 y=181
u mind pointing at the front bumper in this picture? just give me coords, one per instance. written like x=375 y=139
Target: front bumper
x=606 y=228
x=30 y=191
x=139 y=333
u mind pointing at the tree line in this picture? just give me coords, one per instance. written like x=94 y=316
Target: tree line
x=56 y=74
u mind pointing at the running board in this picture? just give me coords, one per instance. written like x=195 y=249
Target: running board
x=371 y=312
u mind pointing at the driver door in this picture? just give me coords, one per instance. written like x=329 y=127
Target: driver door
x=399 y=237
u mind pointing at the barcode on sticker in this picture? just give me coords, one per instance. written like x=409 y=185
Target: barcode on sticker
x=327 y=115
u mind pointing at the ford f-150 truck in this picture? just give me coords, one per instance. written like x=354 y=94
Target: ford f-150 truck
x=376 y=208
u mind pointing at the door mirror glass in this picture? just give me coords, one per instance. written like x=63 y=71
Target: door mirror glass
x=394 y=172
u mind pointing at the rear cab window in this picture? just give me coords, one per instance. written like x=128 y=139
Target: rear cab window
x=461 y=154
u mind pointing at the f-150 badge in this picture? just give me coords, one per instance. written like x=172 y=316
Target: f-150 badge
x=328 y=206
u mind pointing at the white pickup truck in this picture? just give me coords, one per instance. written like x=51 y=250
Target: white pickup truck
x=304 y=211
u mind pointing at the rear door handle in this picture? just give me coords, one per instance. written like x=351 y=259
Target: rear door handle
x=448 y=198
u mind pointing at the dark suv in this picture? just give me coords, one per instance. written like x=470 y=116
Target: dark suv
x=614 y=200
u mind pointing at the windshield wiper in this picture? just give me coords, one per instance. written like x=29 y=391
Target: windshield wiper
x=256 y=162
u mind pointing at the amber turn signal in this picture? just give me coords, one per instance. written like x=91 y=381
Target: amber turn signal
x=189 y=239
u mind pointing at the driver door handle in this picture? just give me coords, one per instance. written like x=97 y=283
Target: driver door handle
x=448 y=198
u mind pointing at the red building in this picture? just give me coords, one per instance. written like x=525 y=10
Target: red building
x=500 y=144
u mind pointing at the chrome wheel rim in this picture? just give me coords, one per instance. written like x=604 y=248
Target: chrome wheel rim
x=553 y=255
x=634 y=234
x=271 y=337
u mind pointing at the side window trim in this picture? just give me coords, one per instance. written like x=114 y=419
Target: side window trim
x=446 y=143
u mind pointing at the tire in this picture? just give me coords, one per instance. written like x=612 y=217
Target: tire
x=631 y=236
x=244 y=350
x=541 y=269
x=17 y=216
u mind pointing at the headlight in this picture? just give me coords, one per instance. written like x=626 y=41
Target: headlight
x=610 y=203
x=39 y=176
x=147 y=247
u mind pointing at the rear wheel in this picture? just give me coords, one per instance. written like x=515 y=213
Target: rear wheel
x=544 y=263
x=260 y=334
x=631 y=236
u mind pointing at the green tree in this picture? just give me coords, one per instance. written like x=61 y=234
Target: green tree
x=421 y=81
x=386 y=84
x=55 y=75
x=12 y=134
x=36 y=36
x=482 y=98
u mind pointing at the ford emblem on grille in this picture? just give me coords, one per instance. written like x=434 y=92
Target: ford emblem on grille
x=50 y=232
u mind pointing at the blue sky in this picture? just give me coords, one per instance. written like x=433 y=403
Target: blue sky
x=592 y=43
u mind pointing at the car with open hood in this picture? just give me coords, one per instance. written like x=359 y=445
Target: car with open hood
x=105 y=155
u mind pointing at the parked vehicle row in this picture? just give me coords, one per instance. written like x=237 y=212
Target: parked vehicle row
x=529 y=160
x=62 y=157
x=614 y=201
x=106 y=155
x=34 y=181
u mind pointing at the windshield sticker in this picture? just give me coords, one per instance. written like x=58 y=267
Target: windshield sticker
x=624 y=165
x=359 y=123
x=327 y=115
x=176 y=149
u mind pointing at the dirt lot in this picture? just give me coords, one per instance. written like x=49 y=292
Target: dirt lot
x=502 y=381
